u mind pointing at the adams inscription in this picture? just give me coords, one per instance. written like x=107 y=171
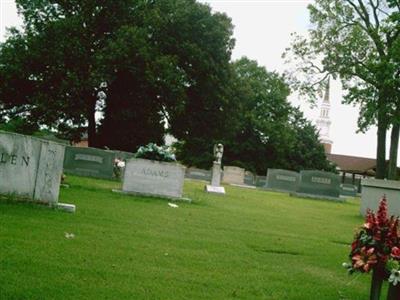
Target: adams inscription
x=153 y=178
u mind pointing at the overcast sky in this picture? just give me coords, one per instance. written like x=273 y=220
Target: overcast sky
x=262 y=32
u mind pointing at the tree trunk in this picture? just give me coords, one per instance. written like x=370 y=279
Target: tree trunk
x=381 y=153
x=381 y=147
x=91 y=110
x=394 y=145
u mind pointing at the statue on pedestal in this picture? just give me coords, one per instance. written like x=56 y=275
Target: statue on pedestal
x=218 y=152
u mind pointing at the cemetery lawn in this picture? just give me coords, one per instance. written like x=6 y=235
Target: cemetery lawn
x=248 y=244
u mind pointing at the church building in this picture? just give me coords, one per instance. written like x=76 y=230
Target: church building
x=351 y=168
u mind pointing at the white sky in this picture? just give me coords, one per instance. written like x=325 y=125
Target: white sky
x=262 y=32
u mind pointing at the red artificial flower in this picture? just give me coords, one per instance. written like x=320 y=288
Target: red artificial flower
x=395 y=253
x=365 y=260
x=370 y=220
x=382 y=215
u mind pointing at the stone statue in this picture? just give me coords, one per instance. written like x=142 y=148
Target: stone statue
x=218 y=152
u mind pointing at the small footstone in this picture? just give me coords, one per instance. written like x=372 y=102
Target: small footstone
x=215 y=189
x=71 y=208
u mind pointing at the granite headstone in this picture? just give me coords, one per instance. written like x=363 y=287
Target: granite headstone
x=89 y=162
x=30 y=168
x=153 y=178
x=319 y=184
x=282 y=180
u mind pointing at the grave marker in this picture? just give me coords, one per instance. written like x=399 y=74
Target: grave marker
x=154 y=178
x=319 y=184
x=30 y=168
x=89 y=162
x=233 y=175
x=348 y=190
x=282 y=180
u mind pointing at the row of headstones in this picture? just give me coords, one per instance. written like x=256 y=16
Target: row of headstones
x=31 y=168
x=305 y=182
x=100 y=163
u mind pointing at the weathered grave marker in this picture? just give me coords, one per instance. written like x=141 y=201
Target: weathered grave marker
x=154 y=178
x=282 y=180
x=89 y=162
x=374 y=189
x=319 y=184
x=348 y=190
x=233 y=175
x=30 y=168
x=199 y=174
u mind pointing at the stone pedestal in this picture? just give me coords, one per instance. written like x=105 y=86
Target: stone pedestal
x=216 y=174
x=215 y=186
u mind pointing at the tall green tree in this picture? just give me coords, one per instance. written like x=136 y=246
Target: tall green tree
x=356 y=41
x=171 y=58
x=265 y=130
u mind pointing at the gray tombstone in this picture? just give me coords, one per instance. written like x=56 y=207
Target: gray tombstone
x=154 y=178
x=249 y=178
x=30 y=168
x=320 y=185
x=233 y=175
x=348 y=190
x=261 y=181
x=374 y=189
x=199 y=174
x=282 y=180
x=89 y=162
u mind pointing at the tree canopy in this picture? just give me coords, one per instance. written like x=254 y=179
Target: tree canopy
x=170 y=56
x=266 y=131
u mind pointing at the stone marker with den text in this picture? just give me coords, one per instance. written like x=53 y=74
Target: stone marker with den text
x=30 y=168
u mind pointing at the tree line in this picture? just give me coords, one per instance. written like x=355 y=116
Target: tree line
x=149 y=68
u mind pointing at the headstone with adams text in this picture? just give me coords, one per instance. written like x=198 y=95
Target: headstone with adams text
x=282 y=180
x=89 y=162
x=319 y=185
x=30 y=168
x=154 y=178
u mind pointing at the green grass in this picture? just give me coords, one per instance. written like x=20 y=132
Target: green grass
x=248 y=244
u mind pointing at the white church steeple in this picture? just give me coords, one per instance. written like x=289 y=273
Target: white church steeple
x=324 y=121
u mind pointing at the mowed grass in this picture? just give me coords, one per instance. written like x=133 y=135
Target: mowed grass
x=248 y=244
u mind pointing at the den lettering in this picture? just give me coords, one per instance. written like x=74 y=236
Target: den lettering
x=14 y=159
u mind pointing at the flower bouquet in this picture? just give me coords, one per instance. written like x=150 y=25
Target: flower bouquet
x=154 y=152
x=376 y=247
